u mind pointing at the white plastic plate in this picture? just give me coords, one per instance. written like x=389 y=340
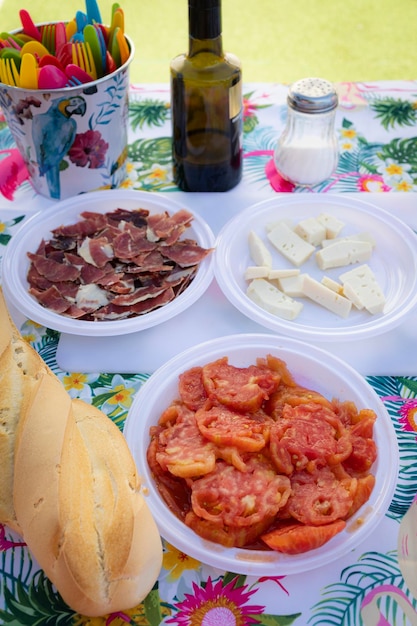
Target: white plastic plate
x=16 y=262
x=311 y=367
x=393 y=261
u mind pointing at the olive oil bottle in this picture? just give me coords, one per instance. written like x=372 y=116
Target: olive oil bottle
x=206 y=106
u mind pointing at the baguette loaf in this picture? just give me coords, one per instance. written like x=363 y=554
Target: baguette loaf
x=76 y=497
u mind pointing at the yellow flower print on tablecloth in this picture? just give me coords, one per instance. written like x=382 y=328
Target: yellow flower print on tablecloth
x=122 y=396
x=177 y=562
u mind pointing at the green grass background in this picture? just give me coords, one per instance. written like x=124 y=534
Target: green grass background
x=276 y=40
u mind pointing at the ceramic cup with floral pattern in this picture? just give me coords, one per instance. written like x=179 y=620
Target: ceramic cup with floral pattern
x=73 y=139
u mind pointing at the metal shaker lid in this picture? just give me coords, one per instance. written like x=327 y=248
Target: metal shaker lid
x=312 y=95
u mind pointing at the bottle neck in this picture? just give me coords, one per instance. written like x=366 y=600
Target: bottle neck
x=204 y=26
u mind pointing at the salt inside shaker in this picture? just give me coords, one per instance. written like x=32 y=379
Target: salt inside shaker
x=307 y=150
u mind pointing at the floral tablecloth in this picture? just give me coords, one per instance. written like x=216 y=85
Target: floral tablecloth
x=377 y=128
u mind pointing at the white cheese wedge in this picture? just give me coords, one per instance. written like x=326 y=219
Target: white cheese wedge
x=332 y=224
x=259 y=252
x=360 y=285
x=292 y=285
x=290 y=245
x=355 y=237
x=311 y=230
x=332 y=284
x=343 y=253
x=271 y=299
x=277 y=274
x=256 y=271
x=326 y=297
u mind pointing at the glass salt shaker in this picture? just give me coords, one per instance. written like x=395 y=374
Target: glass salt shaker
x=307 y=151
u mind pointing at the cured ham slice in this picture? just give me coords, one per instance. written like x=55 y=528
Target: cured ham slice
x=137 y=258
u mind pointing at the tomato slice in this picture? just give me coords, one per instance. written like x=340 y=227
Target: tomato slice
x=191 y=388
x=296 y=538
x=239 y=388
x=248 y=432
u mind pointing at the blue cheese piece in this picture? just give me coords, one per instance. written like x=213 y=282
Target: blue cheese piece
x=361 y=286
x=258 y=251
x=326 y=297
x=271 y=299
x=311 y=230
x=343 y=253
x=332 y=224
x=290 y=245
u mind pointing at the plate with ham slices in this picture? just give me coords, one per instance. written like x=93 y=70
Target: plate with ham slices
x=109 y=262
x=263 y=455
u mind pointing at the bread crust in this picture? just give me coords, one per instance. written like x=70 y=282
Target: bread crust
x=70 y=487
x=20 y=367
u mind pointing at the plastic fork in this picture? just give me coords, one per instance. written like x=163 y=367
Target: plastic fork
x=83 y=57
x=54 y=36
x=48 y=37
x=9 y=73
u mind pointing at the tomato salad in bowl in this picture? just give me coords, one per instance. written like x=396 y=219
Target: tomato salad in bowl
x=262 y=455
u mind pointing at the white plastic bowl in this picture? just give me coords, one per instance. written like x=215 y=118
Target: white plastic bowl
x=16 y=263
x=393 y=262
x=310 y=367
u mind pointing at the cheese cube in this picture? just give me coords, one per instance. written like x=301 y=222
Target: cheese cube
x=311 y=230
x=271 y=225
x=290 y=245
x=355 y=237
x=332 y=225
x=326 y=297
x=343 y=253
x=271 y=299
x=292 y=285
x=256 y=271
x=360 y=285
x=259 y=252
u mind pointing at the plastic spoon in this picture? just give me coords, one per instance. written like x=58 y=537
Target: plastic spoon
x=35 y=48
x=91 y=37
x=60 y=36
x=50 y=59
x=29 y=27
x=110 y=64
x=76 y=74
x=114 y=48
x=123 y=47
x=29 y=72
x=11 y=53
x=51 y=77
x=93 y=12
x=13 y=40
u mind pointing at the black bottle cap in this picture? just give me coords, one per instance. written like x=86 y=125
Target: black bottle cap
x=204 y=18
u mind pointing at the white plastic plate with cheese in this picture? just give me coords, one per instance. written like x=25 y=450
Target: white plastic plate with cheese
x=393 y=262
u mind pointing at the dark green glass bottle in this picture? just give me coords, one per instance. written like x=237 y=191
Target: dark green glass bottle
x=206 y=106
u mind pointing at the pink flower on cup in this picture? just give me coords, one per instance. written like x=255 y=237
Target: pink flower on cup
x=88 y=149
